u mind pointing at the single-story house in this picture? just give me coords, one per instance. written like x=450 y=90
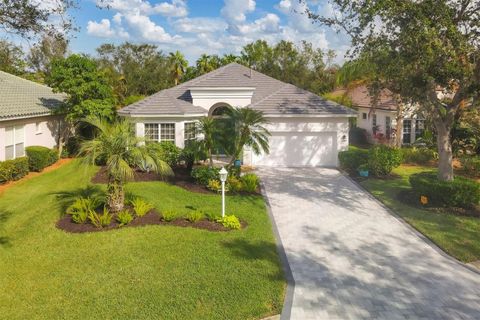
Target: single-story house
x=306 y=129
x=26 y=117
x=380 y=122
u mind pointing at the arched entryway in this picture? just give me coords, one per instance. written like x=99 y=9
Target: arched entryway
x=218 y=112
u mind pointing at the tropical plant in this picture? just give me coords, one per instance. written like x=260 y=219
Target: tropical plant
x=141 y=207
x=250 y=182
x=178 y=65
x=208 y=128
x=247 y=128
x=214 y=185
x=194 y=216
x=117 y=144
x=169 y=215
x=203 y=175
x=212 y=217
x=230 y=222
x=124 y=217
x=100 y=220
x=81 y=207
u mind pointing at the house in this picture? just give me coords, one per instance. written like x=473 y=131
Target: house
x=307 y=130
x=381 y=122
x=26 y=117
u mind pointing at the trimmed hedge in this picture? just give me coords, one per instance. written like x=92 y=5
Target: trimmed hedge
x=12 y=170
x=460 y=192
x=383 y=159
x=418 y=155
x=352 y=159
x=40 y=157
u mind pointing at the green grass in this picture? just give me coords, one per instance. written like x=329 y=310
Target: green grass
x=459 y=236
x=151 y=272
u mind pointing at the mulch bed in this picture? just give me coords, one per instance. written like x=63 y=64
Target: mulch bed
x=408 y=197
x=152 y=218
x=181 y=178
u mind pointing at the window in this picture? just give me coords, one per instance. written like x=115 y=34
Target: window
x=407 y=131
x=151 y=131
x=190 y=131
x=14 y=142
x=364 y=116
x=419 y=128
x=388 y=127
x=167 y=132
x=38 y=127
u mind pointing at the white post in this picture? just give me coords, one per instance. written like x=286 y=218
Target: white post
x=223 y=199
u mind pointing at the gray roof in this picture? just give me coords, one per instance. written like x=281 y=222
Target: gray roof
x=20 y=98
x=271 y=96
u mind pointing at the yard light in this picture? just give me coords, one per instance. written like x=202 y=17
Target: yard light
x=223 y=177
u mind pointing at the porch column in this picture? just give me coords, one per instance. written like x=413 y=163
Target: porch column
x=140 y=130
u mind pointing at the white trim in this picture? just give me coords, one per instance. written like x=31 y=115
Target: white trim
x=267 y=115
x=160 y=116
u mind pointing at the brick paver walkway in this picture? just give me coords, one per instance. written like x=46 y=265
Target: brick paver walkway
x=351 y=259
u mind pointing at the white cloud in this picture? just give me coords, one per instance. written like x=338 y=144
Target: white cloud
x=178 y=8
x=100 y=29
x=199 y=25
x=175 y=8
x=270 y=23
x=148 y=30
x=235 y=11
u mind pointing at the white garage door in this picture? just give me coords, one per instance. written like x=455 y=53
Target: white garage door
x=300 y=149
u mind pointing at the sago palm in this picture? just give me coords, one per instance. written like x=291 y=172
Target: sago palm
x=116 y=144
x=248 y=129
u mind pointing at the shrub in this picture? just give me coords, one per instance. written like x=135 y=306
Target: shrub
x=353 y=158
x=460 y=192
x=418 y=155
x=358 y=136
x=100 y=220
x=230 y=222
x=40 y=157
x=124 y=217
x=169 y=215
x=212 y=216
x=250 y=182
x=80 y=209
x=12 y=170
x=382 y=159
x=471 y=165
x=194 y=216
x=234 y=184
x=203 y=175
x=214 y=185
x=141 y=207
x=166 y=151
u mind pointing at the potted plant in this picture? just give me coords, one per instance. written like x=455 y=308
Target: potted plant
x=363 y=170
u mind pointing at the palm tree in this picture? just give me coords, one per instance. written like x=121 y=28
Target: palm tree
x=208 y=128
x=248 y=130
x=229 y=58
x=116 y=144
x=178 y=64
x=204 y=64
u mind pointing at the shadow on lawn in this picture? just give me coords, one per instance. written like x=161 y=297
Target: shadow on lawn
x=4 y=216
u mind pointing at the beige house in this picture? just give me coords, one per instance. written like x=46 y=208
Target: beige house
x=26 y=116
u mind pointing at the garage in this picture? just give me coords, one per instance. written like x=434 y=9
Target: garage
x=300 y=149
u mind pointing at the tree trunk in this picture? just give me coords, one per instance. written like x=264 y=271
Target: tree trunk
x=399 y=126
x=115 y=195
x=210 y=158
x=445 y=155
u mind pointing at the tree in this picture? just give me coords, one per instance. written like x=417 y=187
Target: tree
x=426 y=51
x=11 y=58
x=207 y=128
x=178 y=65
x=48 y=49
x=247 y=128
x=117 y=145
x=207 y=63
x=29 y=18
x=87 y=89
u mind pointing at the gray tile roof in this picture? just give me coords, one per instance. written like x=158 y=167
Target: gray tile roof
x=24 y=98
x=271 y=96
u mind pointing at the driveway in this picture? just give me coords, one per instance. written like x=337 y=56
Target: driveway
x=351 y=259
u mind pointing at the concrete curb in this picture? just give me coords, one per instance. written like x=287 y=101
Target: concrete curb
x=411 y=228
x=288 y=302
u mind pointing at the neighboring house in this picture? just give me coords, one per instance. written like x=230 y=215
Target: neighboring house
x=26 y=117
x=306 y=129
x=381 y=122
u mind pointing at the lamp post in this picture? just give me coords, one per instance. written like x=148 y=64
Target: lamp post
x=223 y=177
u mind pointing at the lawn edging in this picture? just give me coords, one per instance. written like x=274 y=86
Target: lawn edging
x=288 y=300
x=423 y=237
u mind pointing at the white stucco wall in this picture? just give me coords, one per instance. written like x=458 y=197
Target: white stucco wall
x=46 y=135
x=234 y=97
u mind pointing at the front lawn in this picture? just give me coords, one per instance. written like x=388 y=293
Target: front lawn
x=457 y=235
x=150 y=272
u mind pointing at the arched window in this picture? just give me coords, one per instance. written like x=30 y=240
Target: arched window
x=219 y=110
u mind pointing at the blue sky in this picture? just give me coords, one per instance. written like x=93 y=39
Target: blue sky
x=202 y=26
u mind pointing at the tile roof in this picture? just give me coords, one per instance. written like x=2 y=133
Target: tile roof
x=271 y=96
x=23 y=98
x=361 y=98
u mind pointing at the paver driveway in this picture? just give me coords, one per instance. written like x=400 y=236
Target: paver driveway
x=351 y=259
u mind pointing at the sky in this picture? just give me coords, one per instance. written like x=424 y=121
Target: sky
x=202 y=26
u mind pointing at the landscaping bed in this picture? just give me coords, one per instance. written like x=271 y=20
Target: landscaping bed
x=152 y=218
